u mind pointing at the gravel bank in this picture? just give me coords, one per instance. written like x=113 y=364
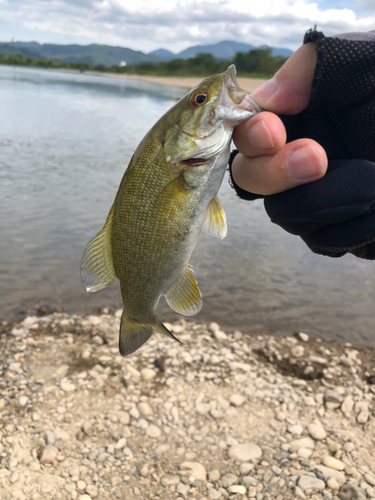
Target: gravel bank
x=220 y=416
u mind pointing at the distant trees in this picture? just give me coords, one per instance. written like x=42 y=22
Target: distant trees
x=256 y=62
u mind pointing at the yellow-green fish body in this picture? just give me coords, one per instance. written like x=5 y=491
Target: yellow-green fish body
x=167 y=195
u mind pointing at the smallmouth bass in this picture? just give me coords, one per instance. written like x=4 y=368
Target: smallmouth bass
x=166 y=197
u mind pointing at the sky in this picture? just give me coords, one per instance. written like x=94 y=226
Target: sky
x=148 y=25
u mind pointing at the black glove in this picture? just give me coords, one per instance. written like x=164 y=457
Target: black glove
x=336 y=214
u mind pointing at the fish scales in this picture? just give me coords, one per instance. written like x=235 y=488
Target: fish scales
x=166 y=197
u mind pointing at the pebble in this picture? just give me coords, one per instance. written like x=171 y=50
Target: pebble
x=229 y=479
x=303 y=336
x=236 y=400
x=23 y=400
x=245 y=452
x=153 y=431
x=125 y=427
x=194 y=469
x=363 y=416
x=49 y=454
x=333 y=463
x=328 y=472
x=67 y=386
x=317 y=431
x=147 y=374
x=237 y=488
x=305 y=442
x=310 y=483
x=351 y=492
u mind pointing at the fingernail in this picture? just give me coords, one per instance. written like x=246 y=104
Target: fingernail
x=265 y=91
x=301 y=164
x=260 y=137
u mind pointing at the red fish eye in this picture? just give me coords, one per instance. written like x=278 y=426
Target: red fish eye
x=198 y=99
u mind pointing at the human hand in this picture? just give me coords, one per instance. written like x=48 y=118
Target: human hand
x=266 y=164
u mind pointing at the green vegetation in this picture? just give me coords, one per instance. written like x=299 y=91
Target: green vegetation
x=256 y=63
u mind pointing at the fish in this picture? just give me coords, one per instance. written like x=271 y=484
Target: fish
x=167 y=196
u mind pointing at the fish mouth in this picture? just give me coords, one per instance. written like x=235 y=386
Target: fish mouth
x=237 y=95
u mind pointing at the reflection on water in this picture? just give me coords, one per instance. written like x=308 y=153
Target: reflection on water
x=65 y=141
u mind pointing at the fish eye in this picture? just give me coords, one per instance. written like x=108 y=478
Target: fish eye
x=198 y=99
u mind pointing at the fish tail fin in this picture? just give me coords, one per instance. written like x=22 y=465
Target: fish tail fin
x=133 y=334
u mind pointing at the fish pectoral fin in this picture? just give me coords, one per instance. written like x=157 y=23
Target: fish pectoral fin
x=184 y=295
x=215 y=220
x=97 y=269
x=133 y=334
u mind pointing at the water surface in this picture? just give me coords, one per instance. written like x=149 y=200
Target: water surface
x=65 y=141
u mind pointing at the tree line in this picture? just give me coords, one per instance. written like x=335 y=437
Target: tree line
x=256 y=63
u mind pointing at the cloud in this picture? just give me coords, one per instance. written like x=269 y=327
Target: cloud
x=176 y=24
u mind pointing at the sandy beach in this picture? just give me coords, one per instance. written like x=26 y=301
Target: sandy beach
x=248 y=84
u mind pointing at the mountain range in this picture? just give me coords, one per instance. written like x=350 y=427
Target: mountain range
x=108 y=56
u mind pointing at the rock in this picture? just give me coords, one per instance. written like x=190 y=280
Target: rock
x=236 y=400
x=299 y=493
x=229 y=479
x=306 y=442
x=67 y=386
x=144 y=471
x=49 y=454
x=333 y=484
x=23 y=400
x=303 y=336
x=84 y=497
x=92 y=490
x=245 y=468
x=304 y=452
x=87 y=428
x=370 y=479
x=147 y=374
x=213 y=327
x=296 y=430
x=194 y=469
x=49 y=437
x=170 y=480
x=363 y=416
x=317 y=431
x=219 y=335
x=238 y=488
x=153 y=431
x=351 y=492
x=332 y=399
x=97 y=340
x=214 y=475
x=333 y=463
x=60 y=434
x=328 y=472
x=347 y=406
x=245 y=452
x=145 y=409
x=310 y=483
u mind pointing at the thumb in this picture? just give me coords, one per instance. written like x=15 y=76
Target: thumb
x=288 y=92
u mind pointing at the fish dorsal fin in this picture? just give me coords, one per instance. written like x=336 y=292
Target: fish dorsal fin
x=214 y=220
x=184 y=295
x=133 y=333
x=97 y=269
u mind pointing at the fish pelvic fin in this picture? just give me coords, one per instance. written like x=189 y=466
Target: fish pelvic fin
x=184 y=295
x=133 y=334
x=215 y=220
x=97 y=269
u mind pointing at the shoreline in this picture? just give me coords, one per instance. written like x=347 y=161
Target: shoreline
x=222 y=414
x=248 y=84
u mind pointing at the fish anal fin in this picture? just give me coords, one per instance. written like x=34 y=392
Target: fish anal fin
x=97 y=269
x=184 y=295
x=134 y=333
x=214 y=220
